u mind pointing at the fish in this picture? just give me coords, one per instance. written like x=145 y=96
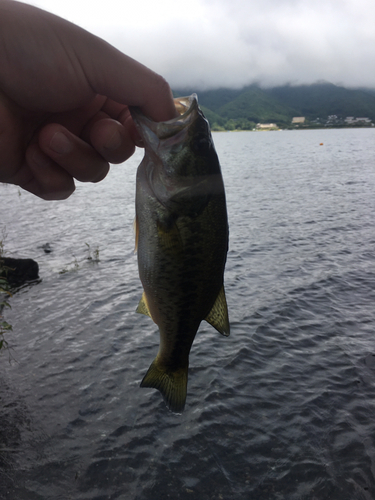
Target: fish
x=182 y=235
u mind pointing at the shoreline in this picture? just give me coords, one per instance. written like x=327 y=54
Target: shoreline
x=294 y=128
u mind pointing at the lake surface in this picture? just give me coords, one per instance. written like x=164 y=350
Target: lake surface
x=284 y=408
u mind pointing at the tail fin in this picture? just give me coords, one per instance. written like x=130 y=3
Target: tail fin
x=171 y=384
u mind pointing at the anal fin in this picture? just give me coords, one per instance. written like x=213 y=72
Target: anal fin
x=218 y=316
x=143 y=307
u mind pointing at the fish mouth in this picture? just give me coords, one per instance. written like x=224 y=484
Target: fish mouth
x=184 y=105
x=188 y=110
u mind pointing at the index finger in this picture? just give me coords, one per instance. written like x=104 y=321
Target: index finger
x=125 y=80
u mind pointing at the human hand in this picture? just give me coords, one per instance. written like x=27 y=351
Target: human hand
x=64 y=97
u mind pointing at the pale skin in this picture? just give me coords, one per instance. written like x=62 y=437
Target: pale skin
x=64 y=97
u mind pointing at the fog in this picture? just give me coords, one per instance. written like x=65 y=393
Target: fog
x=232 y=43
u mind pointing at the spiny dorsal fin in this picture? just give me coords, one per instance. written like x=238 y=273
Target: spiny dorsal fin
x=171 y=384
x=218 y=316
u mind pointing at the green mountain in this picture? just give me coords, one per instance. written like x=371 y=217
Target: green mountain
x=244 y=108
x=256 y=105
x=323 y=99
x=211 y=116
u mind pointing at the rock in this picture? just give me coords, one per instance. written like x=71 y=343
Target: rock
x=19 y=271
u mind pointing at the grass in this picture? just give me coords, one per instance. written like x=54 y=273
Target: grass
x=5 y=327
x=92 y=256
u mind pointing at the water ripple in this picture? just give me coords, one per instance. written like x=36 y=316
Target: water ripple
x=283 y=408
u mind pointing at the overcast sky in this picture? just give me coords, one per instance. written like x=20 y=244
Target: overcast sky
x=231 y=43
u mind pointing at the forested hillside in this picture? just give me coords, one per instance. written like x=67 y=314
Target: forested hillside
x=244 y=108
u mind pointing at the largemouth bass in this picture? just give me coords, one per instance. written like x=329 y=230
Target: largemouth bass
x=181 y=239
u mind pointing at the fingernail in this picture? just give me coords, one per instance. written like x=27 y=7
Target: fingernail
x=60 y=143
x=114 y=142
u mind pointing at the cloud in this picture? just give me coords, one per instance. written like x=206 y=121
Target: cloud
x=214 y=43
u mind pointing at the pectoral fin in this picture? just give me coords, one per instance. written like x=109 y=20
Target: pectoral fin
x=218 y=316
x=169 y=234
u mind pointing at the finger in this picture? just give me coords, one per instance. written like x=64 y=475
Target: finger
x=125 y=80
x=127 y=121
x=73 y=154
x=44 y=178
x=112 y=140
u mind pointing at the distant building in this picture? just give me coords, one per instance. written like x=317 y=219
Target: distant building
x=363 y=120
x=298 y=119
x=350 y=120
x=267 y=126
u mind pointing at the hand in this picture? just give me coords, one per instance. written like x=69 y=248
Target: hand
x=64 y=97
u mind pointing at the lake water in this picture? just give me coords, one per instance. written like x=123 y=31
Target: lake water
x=284 y=408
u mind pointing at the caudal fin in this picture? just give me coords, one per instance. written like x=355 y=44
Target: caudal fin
x=171 y=384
